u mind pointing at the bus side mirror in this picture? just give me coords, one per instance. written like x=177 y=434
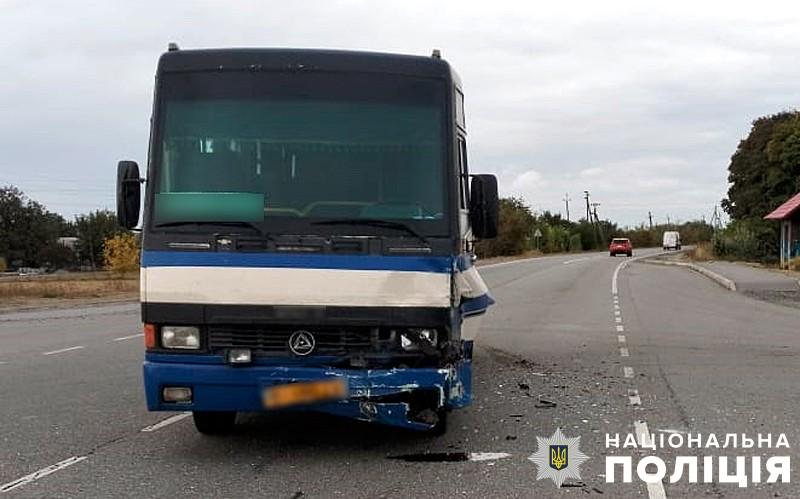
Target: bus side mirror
x=129 y=194
x=483 y=206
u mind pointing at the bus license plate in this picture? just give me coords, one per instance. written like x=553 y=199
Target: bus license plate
x=307 y=392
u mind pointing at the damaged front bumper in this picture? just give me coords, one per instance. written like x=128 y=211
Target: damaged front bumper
x=387 y=396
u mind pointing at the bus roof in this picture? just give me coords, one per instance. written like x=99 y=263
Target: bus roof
x=258 y=59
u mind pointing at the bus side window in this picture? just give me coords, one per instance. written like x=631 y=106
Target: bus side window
x=463 y=180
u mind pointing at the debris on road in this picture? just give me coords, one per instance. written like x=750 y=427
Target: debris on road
x=545 y=404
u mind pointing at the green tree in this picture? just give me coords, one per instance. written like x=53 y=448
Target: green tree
x=515 y=231
x=93 y=230
x=28 y=232
x=763 y=173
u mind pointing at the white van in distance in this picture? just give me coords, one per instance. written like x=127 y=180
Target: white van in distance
x=672 y=240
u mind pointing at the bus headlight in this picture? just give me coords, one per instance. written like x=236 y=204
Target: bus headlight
x=180 y=337
x=410 y=343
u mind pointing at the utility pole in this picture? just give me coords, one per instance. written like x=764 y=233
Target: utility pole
x=566 y=201
x=668 y=223
x=597 y=222
x=594 y=212
x=588 y=208
x=716 y=221
x=650 y=216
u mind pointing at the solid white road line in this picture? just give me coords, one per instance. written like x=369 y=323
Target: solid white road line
x=623 y=352
x=633 y=397
x=628 y=371
x=614 y=277
x=19 y=482
x=655 y=490
x=620 y=329
x=621 y=338
x=617 y=319
x=166 y=422
x=123 y=338
x=63 y=350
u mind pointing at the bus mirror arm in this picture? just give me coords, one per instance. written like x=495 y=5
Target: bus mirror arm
x=129 y=193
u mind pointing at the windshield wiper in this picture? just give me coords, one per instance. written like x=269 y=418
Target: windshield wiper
x=246 y=225
x=376 y=222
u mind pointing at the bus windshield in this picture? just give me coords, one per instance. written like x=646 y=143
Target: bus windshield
x=267 y=146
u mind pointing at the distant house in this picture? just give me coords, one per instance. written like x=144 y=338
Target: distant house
x=69 y=242
x=789 y=215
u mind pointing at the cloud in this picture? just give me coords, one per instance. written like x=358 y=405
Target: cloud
x=641 y=104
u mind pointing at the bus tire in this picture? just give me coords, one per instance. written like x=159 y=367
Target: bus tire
x=440 y=428
x=214 y=423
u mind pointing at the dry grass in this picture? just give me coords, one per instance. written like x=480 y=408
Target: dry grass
x=702 y=252
x=18 y=289
x=794 y=264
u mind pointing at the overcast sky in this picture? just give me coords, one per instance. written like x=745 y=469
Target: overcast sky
x=641 y=107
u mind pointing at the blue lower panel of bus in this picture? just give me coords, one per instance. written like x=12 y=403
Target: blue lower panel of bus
x=375 y=395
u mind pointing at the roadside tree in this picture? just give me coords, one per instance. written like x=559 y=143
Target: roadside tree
x=121 y=253
x=92 y=230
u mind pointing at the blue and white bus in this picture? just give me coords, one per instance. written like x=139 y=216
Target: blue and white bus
x=308 y=230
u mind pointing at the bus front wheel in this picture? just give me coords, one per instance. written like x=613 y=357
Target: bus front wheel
x=214 y=423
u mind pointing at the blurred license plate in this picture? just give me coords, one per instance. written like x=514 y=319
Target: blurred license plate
x=307 y=392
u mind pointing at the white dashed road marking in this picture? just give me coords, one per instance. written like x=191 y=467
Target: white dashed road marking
x=575 y=260
x=123 y=338
x=654 y=489
x=166 y=422
x=19 y=482
x=488 y=456
x=54 y=352
x=669 y=430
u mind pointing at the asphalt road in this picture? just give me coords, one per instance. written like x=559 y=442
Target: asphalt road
x=678 y=353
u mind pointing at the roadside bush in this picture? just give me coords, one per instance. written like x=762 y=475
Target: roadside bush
x=556 y=239
x=702 y=252
x=794 y=263
x=121 y=253
x=575 y=243
x=514 y=232
x=3 y=265
x=751 y=240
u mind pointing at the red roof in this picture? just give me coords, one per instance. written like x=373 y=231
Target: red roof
x=786 y=209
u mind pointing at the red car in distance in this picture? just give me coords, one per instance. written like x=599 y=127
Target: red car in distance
x=620 y=245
